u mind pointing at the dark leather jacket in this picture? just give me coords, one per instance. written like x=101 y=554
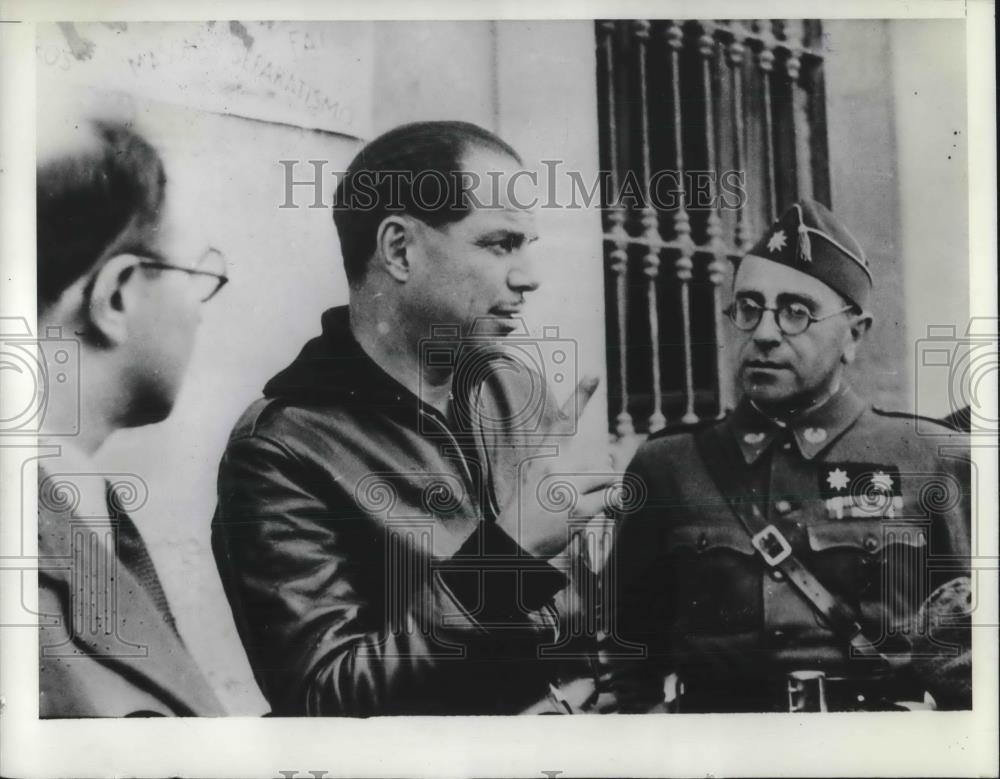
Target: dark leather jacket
x=356 y=540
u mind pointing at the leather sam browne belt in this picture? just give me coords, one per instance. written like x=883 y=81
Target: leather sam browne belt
x=812 y=690
x=776 y=552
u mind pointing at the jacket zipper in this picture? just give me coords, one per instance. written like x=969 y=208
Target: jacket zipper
x=458 y=449
x=491 y=496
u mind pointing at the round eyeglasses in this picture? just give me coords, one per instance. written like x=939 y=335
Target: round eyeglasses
x=208 y=273
x=792 y=318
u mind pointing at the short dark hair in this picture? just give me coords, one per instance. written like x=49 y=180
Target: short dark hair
x=436 y=148
x=95 y=201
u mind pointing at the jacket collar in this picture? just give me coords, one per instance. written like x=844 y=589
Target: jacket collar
x=813 y=430
x=333 y=366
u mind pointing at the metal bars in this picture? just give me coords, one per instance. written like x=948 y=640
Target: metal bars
x=618 y=257
x=729 y=108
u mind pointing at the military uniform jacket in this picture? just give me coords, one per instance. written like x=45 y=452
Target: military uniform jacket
x=878 y=510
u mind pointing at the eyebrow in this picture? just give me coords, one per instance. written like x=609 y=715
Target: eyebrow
x=783 y=298
x=749 y=293
x=503 y=234
x=798 y=297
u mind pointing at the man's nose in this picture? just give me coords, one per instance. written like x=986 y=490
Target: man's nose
x=522 y=276
x=767 y=330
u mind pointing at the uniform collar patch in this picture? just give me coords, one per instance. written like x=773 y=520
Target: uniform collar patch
x=813 y=431
x=815 y=435
x=821 y=426
x=752 y=431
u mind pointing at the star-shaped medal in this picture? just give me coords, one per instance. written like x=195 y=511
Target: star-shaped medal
x=837 y=479
x=882 y=481
x=778 y=241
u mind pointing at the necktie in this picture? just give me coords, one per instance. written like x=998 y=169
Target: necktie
x=133 y=555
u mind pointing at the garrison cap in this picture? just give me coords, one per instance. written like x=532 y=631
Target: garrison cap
x=810 y=239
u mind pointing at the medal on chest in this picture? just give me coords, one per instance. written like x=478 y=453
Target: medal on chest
x=858 y=490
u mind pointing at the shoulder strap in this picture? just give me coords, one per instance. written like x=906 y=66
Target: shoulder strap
x=776 y=552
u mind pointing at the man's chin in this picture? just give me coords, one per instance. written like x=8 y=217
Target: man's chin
x=768 y=393
x=150 y=409
x=150 y=417
x=504 y=325
x=495 y=326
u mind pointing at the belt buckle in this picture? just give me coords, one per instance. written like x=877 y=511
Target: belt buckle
x=772 y=545
x=806 y=691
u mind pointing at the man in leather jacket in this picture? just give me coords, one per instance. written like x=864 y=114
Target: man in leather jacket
x=380 y=532
x=802 y=536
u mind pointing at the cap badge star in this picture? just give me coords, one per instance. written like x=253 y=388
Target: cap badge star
x=753 y=438
x=837 y=479
x=778 y=241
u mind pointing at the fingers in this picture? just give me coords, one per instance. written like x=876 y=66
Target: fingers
x=584 y=458
x=593 y=504
x=573 y=408
x=585 y=483
x=585 y=390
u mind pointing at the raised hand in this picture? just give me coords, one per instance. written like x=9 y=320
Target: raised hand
x=540 y=526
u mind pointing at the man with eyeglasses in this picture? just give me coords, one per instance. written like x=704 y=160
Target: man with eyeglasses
x=786 y=557
x=121 y=281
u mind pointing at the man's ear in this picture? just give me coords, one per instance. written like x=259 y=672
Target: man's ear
x=859 y=326
x=108 y=305
x=392 y=242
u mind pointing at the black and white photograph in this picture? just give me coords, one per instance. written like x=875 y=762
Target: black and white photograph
x=379 y=378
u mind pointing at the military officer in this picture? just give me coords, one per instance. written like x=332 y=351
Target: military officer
x=783 y=554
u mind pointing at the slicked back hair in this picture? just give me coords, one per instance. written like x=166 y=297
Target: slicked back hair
x=385 y=178
x=100 y=199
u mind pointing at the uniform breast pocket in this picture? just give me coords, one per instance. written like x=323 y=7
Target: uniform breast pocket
x=877 y=566
x=715 y=579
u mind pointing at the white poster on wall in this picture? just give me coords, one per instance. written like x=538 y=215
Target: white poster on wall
x=316 y=75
